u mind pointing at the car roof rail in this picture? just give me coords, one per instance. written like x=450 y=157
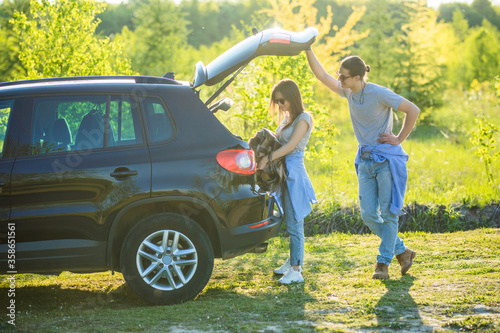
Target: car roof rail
x=95 y=79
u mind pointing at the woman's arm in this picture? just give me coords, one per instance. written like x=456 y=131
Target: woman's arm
x=412 y=112
x=320 y=73
x=298 y=133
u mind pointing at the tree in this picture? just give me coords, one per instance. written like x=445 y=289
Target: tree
x=484 y=140
x=59 y=41
x=115 y=17
x=9 y=7
x=377 y=49
x=158 y=43
x=209 y=20
x=474 y=14
x=10 y=65
x=484 y=8
x=418 y=73
x=482 y=53
x=446 y=11
x=460 y=25
x=451 y=41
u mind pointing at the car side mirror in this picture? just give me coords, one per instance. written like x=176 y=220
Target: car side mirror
x=223 y=104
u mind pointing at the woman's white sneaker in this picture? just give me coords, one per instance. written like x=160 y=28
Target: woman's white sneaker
x=284 y=268
x=292 y=276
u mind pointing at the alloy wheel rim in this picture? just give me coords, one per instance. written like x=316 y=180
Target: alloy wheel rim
x=167 y=260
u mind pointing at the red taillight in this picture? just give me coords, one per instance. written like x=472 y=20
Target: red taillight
x=258 y=225
x=280 y=38
x=240 y=161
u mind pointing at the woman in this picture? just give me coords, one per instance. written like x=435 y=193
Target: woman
x=297 y=192
x=380 y=160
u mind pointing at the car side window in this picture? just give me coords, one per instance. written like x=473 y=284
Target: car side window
x=83 y=123
x=124 y=122
x=5 y=110
x=159 y=124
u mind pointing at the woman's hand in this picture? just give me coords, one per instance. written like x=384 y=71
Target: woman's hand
x=389 y=138
x=263 y=162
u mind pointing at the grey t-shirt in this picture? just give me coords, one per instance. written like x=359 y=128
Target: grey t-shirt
x=371 y=111
x=284 y=135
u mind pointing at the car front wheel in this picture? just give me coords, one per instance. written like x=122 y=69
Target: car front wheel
x=167 y=259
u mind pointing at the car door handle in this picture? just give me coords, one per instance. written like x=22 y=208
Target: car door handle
x=123 y=173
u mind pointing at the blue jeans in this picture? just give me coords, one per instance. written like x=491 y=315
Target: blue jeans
x=375 y=190
x=295 y=229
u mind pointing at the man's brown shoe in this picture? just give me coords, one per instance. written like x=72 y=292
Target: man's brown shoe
x=381 y=271
x=405 y=259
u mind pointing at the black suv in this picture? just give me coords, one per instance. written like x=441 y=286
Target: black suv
x=132 y=174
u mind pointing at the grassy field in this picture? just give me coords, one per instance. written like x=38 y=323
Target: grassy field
x=440 y=173
x=452 y=286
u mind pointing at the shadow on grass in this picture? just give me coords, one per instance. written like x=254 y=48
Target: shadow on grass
x=48 y=308
x=53 y=297
x=276 y=308
x=397 y=309
x=45 y=308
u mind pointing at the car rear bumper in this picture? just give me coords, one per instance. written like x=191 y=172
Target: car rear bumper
x=243 y=239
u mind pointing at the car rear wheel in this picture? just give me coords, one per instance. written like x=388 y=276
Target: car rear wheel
x=167 y=259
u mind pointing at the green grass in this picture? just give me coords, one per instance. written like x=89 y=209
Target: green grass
x=440 y=172
x=453 y=285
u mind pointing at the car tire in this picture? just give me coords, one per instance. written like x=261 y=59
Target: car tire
x=167 y=259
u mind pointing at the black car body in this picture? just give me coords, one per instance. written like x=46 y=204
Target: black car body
x=133 y=174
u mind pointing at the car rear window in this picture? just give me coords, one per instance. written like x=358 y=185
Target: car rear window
x=160 y=127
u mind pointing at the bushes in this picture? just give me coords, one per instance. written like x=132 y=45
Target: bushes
x=434 y=219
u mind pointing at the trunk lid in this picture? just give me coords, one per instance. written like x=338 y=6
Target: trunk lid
x=276 y=42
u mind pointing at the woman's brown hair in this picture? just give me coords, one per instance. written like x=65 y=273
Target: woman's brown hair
x=291 y=92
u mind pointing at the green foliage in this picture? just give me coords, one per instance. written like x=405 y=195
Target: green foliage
x=408 y=49
x=486 y=10
x=456 y=67
x=374 y=48
x=59 y=41
x=482 y=53
x=115 y=18
x=10 y=67
x=158 y=43
x=418 y=72
x=209 y=20
x=484 y=139
x=447 y=10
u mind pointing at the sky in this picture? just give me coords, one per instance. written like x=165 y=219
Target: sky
x=431 y=3
x=436 y=3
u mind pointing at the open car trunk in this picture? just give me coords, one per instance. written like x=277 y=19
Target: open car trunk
x=276 y=42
